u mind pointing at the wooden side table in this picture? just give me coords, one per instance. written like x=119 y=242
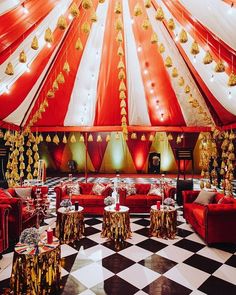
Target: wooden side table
x=116 y=224
x=163 y=222
x=36 y=270
x=69 y=224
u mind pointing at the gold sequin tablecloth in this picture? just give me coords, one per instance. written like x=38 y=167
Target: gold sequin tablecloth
x=36 y=270
x=163 y=222
x=69 y=224
x=116 y=224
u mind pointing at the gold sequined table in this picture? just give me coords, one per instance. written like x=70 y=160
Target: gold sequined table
x=36 y=270
x=116 y=224
x=69 y=224
x=163 y=222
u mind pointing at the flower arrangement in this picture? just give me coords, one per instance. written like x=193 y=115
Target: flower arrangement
x=169 y=202
x=109 y=201
x=66 y=203
x=30 y=236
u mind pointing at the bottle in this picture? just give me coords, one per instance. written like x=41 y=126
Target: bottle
x=76 y=206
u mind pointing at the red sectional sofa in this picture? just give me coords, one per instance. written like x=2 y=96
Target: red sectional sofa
x=140 y=202
x=4 y=211
x=214 y=222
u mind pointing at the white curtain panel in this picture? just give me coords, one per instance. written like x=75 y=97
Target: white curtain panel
x=217 y=16
x=82 y=106
x=191 y=116
x=7 y=5
x=218 y=86
x=137 y=105
x=20 y=68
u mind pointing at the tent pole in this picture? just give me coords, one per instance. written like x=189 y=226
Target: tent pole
x=86 y=156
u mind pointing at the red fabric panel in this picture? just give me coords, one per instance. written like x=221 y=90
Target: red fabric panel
x=16 y=26
x=96 y=152
x=108 y=101
x=57 y=109
x=57 y=153
x=139 y=151
x=151 y=60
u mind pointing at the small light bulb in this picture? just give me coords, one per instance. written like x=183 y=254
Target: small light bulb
x=145 y=72
x=151 y=91
x=139 y=48
x=230 y=95
x=194 y=59
x=25 y=10
x=49 y=45
x=212 y=78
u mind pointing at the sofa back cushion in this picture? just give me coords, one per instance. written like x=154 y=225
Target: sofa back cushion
x=142 y=188
x=23 y=192
x=227 y=200
x=86 y=188
x=130 y=189
x=73 y=188
x=154 y=190
x=205 y=198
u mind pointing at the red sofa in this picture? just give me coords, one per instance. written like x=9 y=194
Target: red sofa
x=4 y=211
x=140 y=202
x=215 y=223
x=19 y=217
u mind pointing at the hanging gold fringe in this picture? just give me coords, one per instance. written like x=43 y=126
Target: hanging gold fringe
x=93 y=17
x=154 y=38
x=56 y=139
x=143 y=137
x=60 y=78
x=187 y=89
x=74 y=10
x=87 y=4
x=123 y=119
x=22 y=57
x=119 y=24
x=121 y=74
x=108 y=137
x=122 y=95
x=99 y=138
x=122 y=86
x=232 y=79
x=174 y=73
x=151 y=137
x=183 y=37
x=148 y=3
x=81 y=138
x=48 y=36
x=64 y=139
x=171 y=24
x=122 y=104
x=9 y=69
x=195 y=48
x=161 y=48
x=207 y=58
x=35 y=44
x=170 y=137
x=133 y=135
x=160 y=14
x=62 y=23
x=72 y=139
x=55 y=86
x=121 y=65
x=138 y=10
x=146 y=24
x=66 y=67
x=50 y=93
x=48 y=138
x=120 y=51
x=220 y=67
x=123 y=112
x=78 y=44
x=85 y=27
x=181 y=81
x=90 y=138
x=119 y=37
x=118 y=8
x=168 y=62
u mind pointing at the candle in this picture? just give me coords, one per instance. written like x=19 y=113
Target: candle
x=49 y=235
x=117 y=206
x=76 y=206
x=158 y=205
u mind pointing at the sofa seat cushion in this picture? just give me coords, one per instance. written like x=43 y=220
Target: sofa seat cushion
x=91 y=200
x=151 y=200
x=136 y=200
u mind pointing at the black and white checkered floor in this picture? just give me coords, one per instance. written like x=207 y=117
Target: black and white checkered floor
x=140 y=265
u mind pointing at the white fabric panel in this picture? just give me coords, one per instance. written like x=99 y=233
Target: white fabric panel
x=49 y=21
x=137 y=105
x=191 y=116
x=217 y=16
x=218 y=86
x=6 y=5
x=82 y=106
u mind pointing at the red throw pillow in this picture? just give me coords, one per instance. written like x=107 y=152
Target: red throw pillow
x=226 y=200
x=5 y=194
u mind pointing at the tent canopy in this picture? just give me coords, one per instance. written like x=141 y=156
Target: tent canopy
x=117 y=65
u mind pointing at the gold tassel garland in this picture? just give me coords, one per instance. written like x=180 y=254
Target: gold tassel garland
x=174 y=73
x=138 y=10
x=119 y=37
x=78 y=44
x=195 y=48
x=62 y=23
x=121 y=74
x=35 y=44
x=93 y=17
x=232 y=79
x=118 y=9
x=154 y=38
x=22 y=57
x=148 y=3
x=60 y=78
x=85 y=27
x=48 y=36
x=74 y=10
x=56 y=139
x=119 y=24
x=160 y=14
x=66 y=67
x=161 y=48
x=171 y=24
x=220 y=67
x=187 y=89
x=145 y=24
x=87 y=4
x=9 y=69
x=120 y=51
x=168 y=62
x=207 y=58
x=181 y=81
x=183 y=37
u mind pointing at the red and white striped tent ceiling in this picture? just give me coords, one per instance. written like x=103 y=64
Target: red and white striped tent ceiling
x=119 y=65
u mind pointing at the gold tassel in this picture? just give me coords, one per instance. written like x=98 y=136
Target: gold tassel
x=87 y=4
x=122 y=104
x=183 y=37
x=160 y=14
x=168 y=62
x=119 y=37
x=154 y=38
x=120 y=51
x=171 y=24
x=78 y=44
x=56 y=139
x=60 y=78
x=73 y=139
x=61 y=23
x=124 y=119
x=55 y=86
x=117 y=136
x=48 y=36
x=85 y=27
x=220 y=67
x=161 y=48
x=81 y=138
x=232 y=79
x=133 y=135
x=123 y=112
x=101 y=1
x=118 y=8
x=146 y=24
x=108 y=137
x=90 y=138
x=122 y=95
x=99 y=138
x=74 y=10
x=122 y=86
x=9 y=69
x=207 y=58
x=35 y=148
x=121 y=74
x=147 y=3
x=48 y=138
x=143 y=137
x=64 y=140
x=50 y=93
x=29 y=176
x=178 y=139
x=187 y=89
x=29 y=152
x=35 y=43
x=174 y=73
x=93 y=17
x=66 y=67
x=121 y=65
x=35 y=174
x=138 y=10
x=118 y=24
x=22 y=174
x=170 y=137
x=22 y=57
x=30 y=160
x=181 y=81
x=151 y=137
x=195 y=48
